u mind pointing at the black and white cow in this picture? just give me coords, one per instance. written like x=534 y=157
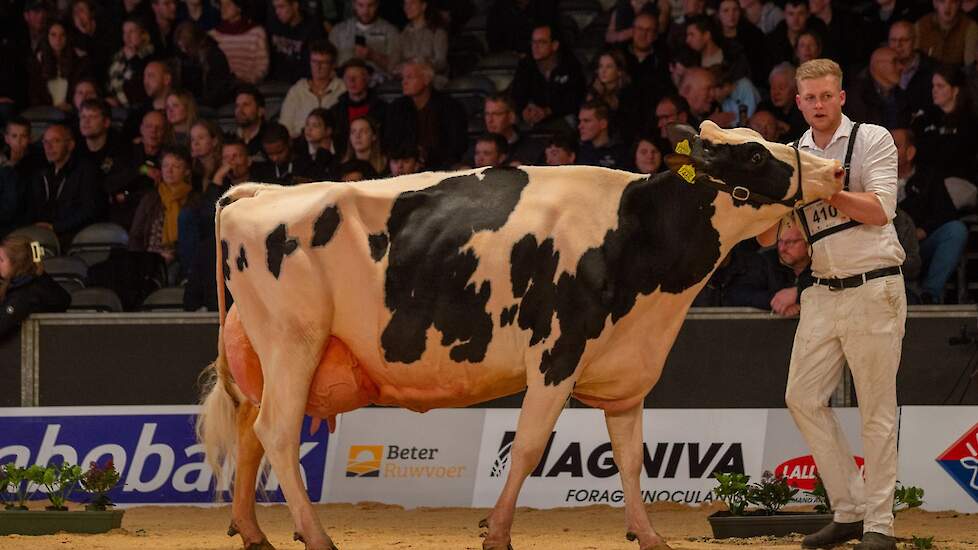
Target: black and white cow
x=449 y=289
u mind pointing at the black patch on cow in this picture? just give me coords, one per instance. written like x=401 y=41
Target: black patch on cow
x=225 y=201
x=325 y=226
x=378 y=245
x=533 y=266
x=279 y=245
x=664 y=241
x=242 y=259
x=225 y=266
x=508 y=315
x=427 y=280
x=750 y=165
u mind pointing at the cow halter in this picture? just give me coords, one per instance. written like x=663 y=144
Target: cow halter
x=739 y=192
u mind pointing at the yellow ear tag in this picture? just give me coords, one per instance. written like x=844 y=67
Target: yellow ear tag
x=37 y=253
x=683 y=147
x=687 y=172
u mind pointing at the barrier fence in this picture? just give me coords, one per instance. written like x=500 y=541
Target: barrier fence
x=460 y=457
x=722 y=358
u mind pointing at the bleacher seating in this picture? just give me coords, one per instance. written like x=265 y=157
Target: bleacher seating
x=94 y=243
x=95 y=299
x=45 y=237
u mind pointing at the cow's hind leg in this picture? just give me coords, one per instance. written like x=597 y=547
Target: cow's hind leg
x=288 y=374
x=541 y=407
x=248 y=460
x=625 y=429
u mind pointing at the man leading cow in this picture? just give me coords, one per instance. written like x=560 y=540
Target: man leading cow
x=854 y=313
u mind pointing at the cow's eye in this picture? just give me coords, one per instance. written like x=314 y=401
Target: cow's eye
x=756 y=158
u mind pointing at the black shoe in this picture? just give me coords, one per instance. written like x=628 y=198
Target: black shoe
x=876 y=541
x=834 y=534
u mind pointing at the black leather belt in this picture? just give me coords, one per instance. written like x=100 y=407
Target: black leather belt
x=858 y=280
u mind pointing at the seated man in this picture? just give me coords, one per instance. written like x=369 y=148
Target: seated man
x=561 y=150
x=941 y=234
x=65 y=195
x=597 y=146
x=491 y=150
x=791 y=266
x=282 y=167
x=404 y=159
x=548 y=85
x=426 y=117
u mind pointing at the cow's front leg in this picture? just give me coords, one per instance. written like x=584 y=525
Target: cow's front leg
x=625 y=429
x=247 y=462
x=541 y=407
x=288 y=374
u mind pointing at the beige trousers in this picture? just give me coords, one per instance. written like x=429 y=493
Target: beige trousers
x=863 y=326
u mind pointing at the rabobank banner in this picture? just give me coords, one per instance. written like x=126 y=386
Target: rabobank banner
x=154 y=449
x=682 y=450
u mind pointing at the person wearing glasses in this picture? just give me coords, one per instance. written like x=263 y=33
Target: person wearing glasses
x=855 y=313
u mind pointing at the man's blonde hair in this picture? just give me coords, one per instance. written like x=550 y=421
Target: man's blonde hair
x=817 y=68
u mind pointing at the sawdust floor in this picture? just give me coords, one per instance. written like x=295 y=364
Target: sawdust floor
x=369 y=526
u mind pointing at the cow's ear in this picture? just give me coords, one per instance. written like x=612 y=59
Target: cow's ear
x=679 y=133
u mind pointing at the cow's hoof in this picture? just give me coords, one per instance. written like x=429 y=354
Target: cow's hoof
x=484 y=523
x=657 y=546
x=298 y=537
x=263 y=545
x=232 y=529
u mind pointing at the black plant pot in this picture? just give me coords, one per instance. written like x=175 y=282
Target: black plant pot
x=725 y=525
x=23 y=522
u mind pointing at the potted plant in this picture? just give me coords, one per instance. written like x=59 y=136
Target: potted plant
x=97 y=482
x=59 y=481
x=769 y=495
x=23 y=482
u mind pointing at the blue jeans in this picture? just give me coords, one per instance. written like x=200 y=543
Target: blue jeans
x=940 y=252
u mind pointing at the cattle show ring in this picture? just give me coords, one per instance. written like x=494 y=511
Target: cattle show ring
x=500 y=358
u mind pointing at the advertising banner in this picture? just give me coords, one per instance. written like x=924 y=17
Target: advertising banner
x=402 y=457
x=939 y=453
x=154 y=449
x=787 y=455
x=683 y=448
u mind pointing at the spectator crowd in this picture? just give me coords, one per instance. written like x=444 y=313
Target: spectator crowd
x=143 y=112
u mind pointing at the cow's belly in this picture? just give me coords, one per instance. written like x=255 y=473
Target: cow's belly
x=344 y=382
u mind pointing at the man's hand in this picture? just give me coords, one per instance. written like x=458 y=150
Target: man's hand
x=792 y=311
x=921 y=234
x=783 y=300
x=220 y=174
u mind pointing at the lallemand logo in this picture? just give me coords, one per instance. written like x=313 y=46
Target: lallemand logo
x=364 y=460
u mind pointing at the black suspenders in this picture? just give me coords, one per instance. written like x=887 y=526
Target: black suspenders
x=845 y=165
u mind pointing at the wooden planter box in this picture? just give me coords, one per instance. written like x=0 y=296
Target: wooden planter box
x=727 y=526
x=38 y=522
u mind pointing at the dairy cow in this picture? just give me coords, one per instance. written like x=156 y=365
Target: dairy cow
x=449 y=289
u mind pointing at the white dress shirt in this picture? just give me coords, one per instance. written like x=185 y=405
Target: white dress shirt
x=873 y=169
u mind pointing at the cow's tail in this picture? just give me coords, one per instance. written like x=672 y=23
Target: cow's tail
x=220 y=397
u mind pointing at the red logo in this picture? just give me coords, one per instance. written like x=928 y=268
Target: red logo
x=801 y=471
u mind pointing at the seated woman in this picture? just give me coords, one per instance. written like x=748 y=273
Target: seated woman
x=24 y=287
x=181 y=113
x=55 y=69
x=206 y=140
x=243 y=42
x=425 y=38
x=365 y=145
x=202 y=66
x=612 y=85
x=648 y=155
x=154 y=227
x=946 y=132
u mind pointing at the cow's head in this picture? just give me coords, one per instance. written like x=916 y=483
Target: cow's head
x=754 y=171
